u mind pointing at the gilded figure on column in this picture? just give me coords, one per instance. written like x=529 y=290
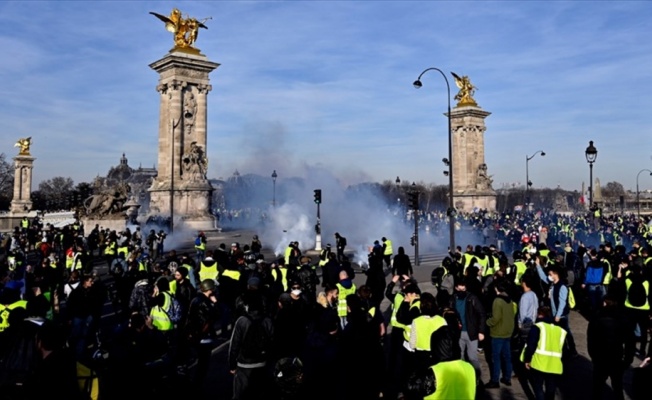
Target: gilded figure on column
x=185 y=29
x=24 y=144
x=465 y=96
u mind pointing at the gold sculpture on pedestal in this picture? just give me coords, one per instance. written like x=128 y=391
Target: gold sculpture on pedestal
x=465 y=96
x=185 y=29
x=24 y=144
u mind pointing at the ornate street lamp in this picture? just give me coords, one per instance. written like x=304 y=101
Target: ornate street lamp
x=451 y=206
x=638 y=200
x=591 y=154
x=527 y=177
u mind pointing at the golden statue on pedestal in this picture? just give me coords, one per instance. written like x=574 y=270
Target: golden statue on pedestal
x=185 y=29
x=24 y=144
x=465 y=96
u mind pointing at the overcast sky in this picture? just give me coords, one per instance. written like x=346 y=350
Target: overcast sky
x=329 y=84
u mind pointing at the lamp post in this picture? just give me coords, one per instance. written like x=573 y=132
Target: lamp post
x=451 y=207
x=591 y=154
x=274 y=176
x=638 y=201
x=527 y=177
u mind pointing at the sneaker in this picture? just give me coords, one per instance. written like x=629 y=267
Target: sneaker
x=480 y=351
x=492 y=385
x=506 y=382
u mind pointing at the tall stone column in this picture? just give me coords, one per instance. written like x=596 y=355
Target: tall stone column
x=181 y=190
x=472 y=183
x=22 y=202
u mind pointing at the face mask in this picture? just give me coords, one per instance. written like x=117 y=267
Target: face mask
x=550 y=278
x=296 y=292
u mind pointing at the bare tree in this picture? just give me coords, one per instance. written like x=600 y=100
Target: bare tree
x=6 y=182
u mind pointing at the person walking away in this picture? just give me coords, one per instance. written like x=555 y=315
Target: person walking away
x=605 y=337
x=542 y=354
x=637 y=307
x=340 y=245
x=501 y=327
x=527 y=315
x=249 y=352
x=200 y=246
x=596 y=277
x=402 y=264
x=422 y=329
x=388 y=251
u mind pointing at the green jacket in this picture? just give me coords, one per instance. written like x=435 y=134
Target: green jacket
x=501 y=323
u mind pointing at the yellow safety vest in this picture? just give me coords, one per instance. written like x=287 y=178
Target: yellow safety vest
x=646 y=285
x=6 y=310
x=231 y=273
x=206 y=272
x=547 y=356
x=467 y=260
x=124 y=250
x=342 y=311
x=160 y=319
x=424 y=326
x=388 y=248
x=173 y=286
x=544 y=252
x=520 y=270
x=110 y=249
x=284 y=277
x=201 y=246
x=455 y=380
x=398 y=299
x=408 y=328
x=288 y=253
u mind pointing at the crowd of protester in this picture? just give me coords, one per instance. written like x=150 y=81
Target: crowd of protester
x=299 y=327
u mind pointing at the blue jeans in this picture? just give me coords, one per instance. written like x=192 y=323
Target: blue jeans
x=501 y=356
x=595 y=294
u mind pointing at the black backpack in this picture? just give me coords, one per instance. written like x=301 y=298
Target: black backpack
x=256 y=341
x=636 y=294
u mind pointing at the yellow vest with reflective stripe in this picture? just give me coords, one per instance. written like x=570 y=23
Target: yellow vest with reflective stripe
x=547 y=356
x=398 y=299
x=342 y=311
x=455 y=380
x=173 y=286
x=646 y=285
x=206 y=272
x=160 y=319
x=425 y=325
x=6 y=310
x=288 y=253
x=408 y=328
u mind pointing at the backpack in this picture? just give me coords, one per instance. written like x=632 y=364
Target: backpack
x=198 y=241
x=174 y=312
x=256 y=341
x=636 y=294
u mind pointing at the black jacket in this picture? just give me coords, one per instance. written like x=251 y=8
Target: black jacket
x=236 y=357
x=475 y=315
x=605 y=337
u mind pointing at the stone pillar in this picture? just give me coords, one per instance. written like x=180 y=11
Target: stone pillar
x=22 y=202
x=181 y=190
x=471 y=181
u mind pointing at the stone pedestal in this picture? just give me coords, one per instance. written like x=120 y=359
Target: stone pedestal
x=21 y=203
x=471 y=182
x=181 y=190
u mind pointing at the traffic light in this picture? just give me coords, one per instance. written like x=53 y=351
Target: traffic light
x=317 y=196
x=414 y=200
x=413 y=240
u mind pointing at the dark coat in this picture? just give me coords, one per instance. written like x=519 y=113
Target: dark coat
x=475 y=315
x=605 y=337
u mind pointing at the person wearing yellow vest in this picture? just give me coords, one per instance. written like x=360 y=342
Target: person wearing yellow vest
x=208 y=268
x=388 y=251
x=158 y=313
x=422 y=329
x=200 y=246
x=280 y=276
x=396 y=332
x=408 y=310
x=7 y=309
x=637 y=306
x=519 y=266
x=345 y=287
x=542 y=354
x=448 y=377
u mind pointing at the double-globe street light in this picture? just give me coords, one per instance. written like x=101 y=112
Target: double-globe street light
x=451 y=209
x=527 y=177
x=591 y=154
x=638 y=200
